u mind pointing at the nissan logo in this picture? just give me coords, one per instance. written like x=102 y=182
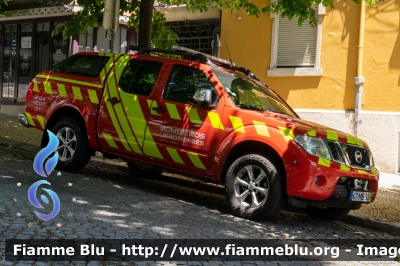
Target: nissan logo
x=358 y=156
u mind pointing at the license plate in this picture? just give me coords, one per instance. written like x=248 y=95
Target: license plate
x=360 y=196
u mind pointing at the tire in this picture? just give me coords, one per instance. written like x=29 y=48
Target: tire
x=75 y=154
x=140 y=171
x=327 y=214
x=267 y=185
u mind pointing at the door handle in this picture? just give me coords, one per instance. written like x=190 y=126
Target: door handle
x=158 y=109
x=113 y=100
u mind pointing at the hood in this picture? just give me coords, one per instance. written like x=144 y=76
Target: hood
x=304 y=127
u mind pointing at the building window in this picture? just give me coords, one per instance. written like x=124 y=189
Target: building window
x=295 y=51
x=119 y=44
x=60 y=45
x=86 y=40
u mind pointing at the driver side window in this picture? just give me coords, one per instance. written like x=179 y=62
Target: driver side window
x=184 y=82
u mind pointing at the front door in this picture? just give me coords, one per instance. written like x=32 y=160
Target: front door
x=187 y=130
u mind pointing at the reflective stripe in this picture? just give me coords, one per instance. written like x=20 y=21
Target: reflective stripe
x=93 y=96
x=119 y=118
x=109 y=140
x=215 y=120
x=331 y=135
x=150 y=147
x=354 y=140
x=30 y=120
x=312 y=133
x=324 y=162
x=77 y=93
x=287 y=133
x=175 y=156
x=124 y=123
x=41 y=120
x=344 y=167
x=138 y=124
x=193 y=115
x=195 y=160
x=35 y=86
x=61 y=90
x=173 y=112
x=71 y=81
x=124 y=142
x=152 y=104
x=237 y=123
x=361 y=171
x=261 y=128
x=122 y=62
x=47 y=87
x=351 y=139
x=107 y=66
x=374 y=172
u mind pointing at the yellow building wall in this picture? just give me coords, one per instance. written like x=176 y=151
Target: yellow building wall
x=249 y=42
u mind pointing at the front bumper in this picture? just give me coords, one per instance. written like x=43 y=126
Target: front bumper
x=310 y=180
x=23 y=120
x=340 y=198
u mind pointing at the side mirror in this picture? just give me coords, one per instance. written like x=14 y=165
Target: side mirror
x=202 y=95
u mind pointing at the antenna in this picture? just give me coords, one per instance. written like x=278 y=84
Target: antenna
x=229 y=55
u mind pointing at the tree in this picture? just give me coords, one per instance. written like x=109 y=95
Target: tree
x=150 y=23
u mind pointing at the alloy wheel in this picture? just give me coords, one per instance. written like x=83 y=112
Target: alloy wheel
x=251 y=186
x=67 y=146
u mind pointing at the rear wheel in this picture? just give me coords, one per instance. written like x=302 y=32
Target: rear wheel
x=141 y=171
x=254 y=187
x=327 y=214
x=73 y=149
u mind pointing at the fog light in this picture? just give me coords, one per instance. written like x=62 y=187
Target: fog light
x=320 y=180
x=342 y=179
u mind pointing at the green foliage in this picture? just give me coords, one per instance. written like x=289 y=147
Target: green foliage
x=163 y=37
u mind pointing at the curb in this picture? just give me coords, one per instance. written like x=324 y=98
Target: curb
x=392 y=228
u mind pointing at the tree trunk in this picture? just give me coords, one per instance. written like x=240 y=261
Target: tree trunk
x=145 y=22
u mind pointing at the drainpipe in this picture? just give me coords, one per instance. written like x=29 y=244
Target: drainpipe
x=359 y=80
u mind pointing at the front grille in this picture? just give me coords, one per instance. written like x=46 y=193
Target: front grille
x=336 y=152
x=359 y=156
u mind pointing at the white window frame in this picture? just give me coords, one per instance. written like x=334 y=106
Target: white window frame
x=296 y=71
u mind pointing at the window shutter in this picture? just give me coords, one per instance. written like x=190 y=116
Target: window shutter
x=296 y=45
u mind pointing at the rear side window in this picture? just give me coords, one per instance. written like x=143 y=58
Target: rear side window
x=82 y=65
x=139 y=77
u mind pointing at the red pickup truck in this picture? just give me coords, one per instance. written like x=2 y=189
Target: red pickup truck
x=201 y=116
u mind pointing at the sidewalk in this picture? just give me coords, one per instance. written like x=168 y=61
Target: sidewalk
x=383 y=214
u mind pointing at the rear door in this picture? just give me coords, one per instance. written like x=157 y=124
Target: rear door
x=185 y=130
x=122 y=123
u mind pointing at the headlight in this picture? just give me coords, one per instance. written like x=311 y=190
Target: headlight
x=314 y=146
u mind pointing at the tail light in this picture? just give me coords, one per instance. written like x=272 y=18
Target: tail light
x=29 y=92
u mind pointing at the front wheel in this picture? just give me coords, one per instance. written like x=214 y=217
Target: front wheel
x=327 y=214
x=254 y=187
x=73 y=149
x=141 y=171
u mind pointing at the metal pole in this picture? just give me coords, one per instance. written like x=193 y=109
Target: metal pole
x=359 y=80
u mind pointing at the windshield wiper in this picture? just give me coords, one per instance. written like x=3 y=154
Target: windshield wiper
x=274 y=111
x=250 y=107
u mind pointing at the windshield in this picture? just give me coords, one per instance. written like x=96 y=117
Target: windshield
x=251 y=94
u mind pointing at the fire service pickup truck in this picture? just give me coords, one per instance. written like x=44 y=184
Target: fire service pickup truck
x=183 y=111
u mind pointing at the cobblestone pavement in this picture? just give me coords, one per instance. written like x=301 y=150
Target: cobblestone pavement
x=385 y=208
x=108 y=204
x=10 y=128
